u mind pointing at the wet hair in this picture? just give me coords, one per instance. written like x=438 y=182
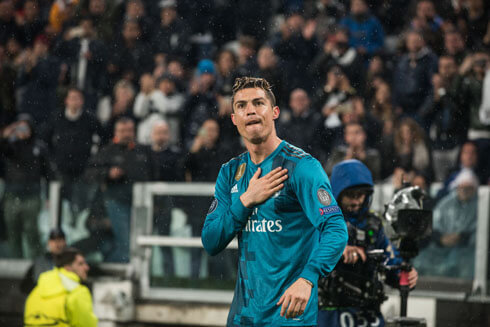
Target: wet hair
x=251 y=83
x=67 y=256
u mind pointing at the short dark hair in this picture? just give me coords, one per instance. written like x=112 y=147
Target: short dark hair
x=251 y=83
x=124 y=120
x=74 y=88
x=67 y=256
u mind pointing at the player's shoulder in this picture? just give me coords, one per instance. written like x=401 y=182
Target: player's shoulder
x=302 y=159
x=232 y=165
x=294 y=153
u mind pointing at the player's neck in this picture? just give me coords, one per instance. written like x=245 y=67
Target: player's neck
x=258 y=152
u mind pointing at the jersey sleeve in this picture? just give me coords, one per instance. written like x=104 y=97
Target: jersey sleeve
x=224 y=219
x=313 y=190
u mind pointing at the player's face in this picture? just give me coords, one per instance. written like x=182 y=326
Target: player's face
x=253 y=115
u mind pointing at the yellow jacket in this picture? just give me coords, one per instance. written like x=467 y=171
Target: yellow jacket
x=59 y=300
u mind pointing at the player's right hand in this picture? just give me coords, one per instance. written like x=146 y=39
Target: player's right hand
x=262 y=188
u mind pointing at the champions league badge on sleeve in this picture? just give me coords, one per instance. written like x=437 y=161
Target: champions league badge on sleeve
x=324 y=197
x=213 y=206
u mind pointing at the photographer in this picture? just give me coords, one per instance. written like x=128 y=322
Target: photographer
x=342 y=295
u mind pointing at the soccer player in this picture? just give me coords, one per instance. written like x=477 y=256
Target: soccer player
x=277 y=199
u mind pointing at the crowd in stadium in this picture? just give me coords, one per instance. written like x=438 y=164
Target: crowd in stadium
x=115 y=92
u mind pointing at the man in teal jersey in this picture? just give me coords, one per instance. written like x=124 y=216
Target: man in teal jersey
x=277 y=199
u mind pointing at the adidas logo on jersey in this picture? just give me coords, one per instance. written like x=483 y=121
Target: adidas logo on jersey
x=234 y=189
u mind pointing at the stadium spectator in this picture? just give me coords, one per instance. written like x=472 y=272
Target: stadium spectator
x=366 y=34
x=202 y=165
x=178 y=70
x=60 y=297
x=429 y=24
x=411 y=151
x=117 y=166
x=29 y=22
x=372 y=126
x=377 y=72
x=355 y=148
x=109 y=110
x=169 y=101
x=382 y=108
x=468 y=159
x=38 y=79
x=167 y=165
x=205 y=156
x=412 y=80
x=166 y=159
x=295 y=45
x=470 y=100
x=452 y=251
x=473 y=20
x=145 y=108
x=172 y=36
x=247 y=61
x=26 y=162
x=72 y=135
x=454 y=45
x=270 y=69
x=336 y=90
x=102 y=14
x=86 y=57
x=333 y=102
x=327 y=14
x=296 y=125
x=130 y=56
x=135 y=10
x=336 y=51
x=226 y=65
x=229 y=138
x=56 y=245
x=200 y=103
x=446 y=132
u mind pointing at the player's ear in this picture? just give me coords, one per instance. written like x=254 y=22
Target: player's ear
x=233 y=119
x=275 y=112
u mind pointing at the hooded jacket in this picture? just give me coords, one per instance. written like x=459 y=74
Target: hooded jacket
x=347 y=174
x=59 y=300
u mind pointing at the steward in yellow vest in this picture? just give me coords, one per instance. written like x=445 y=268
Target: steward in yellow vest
x=59 y=299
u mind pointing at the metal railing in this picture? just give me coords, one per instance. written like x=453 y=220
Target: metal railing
x=143 y=240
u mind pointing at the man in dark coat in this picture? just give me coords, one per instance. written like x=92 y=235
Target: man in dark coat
x=117 y=166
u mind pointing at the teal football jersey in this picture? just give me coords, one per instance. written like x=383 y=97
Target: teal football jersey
x=298 y=232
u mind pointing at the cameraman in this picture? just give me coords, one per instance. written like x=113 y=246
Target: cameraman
x=352 y=294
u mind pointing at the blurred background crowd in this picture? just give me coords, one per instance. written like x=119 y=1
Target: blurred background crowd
x=113 y=92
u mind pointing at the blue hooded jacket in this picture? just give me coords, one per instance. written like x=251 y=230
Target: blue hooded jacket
x=349 y=173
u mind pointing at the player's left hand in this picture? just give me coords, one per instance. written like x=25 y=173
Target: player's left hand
x=413 y=275
x=295 y=299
